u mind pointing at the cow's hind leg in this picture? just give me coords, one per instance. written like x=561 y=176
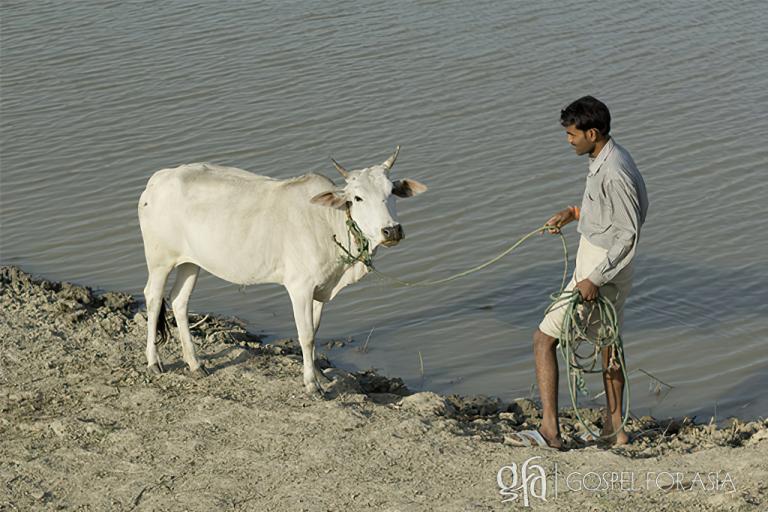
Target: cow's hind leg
x=186 y=278
x=153 y=294
x=301 y=299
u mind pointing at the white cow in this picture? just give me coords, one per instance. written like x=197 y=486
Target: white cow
x=250 y=229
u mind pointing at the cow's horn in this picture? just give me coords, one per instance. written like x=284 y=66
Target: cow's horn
x=339 y=168
x=391 y=160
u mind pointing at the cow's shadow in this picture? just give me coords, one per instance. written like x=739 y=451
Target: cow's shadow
x=213 y=362
x=222 y=359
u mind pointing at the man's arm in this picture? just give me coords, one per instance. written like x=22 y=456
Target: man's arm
x=625 y=218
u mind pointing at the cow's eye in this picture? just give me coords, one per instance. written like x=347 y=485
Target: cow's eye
x=358 y=198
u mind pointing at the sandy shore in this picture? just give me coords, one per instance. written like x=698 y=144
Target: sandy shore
x=84 y=427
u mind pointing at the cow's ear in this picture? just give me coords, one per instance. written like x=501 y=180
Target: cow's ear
x=332 y=199
x=408 y=188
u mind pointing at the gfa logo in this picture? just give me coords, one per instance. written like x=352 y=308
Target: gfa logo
x=526 y=481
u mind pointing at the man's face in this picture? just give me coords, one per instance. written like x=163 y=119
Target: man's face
x=581 y=141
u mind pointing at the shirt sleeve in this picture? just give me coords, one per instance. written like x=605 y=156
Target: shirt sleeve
x=625 y=215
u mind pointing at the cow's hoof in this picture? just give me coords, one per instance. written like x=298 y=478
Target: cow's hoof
x=315 y=391
x=201 y=372
x=155 y=369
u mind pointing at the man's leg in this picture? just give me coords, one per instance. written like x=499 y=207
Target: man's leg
x=547 y=380
x=613 y=380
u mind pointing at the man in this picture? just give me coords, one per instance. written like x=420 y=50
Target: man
x=612 y=212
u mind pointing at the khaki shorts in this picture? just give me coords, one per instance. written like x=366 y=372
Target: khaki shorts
x=588 y=257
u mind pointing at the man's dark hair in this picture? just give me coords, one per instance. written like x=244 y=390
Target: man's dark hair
x=586 y=113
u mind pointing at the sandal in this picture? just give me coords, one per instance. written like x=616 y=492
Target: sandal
x=530 y=439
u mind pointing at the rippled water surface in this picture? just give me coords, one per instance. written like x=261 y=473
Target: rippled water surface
x=97 y=96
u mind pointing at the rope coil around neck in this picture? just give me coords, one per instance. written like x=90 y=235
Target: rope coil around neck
x=363 y=248
x=579 y=316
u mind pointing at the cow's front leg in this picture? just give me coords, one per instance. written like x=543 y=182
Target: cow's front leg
x=317 y=312
x=302 y=313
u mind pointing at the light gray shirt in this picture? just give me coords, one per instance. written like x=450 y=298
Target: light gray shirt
x=613 y=209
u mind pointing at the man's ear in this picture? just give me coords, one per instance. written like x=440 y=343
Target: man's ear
x=332 y=199
x=408 y=188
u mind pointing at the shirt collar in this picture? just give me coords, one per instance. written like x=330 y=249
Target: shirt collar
x=595 y=163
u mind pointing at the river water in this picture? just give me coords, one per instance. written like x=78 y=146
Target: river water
x=96 y=96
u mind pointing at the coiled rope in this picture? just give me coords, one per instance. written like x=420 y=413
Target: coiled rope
x=580 y=318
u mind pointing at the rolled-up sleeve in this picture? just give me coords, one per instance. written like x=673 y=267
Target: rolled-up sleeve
x=625 y=228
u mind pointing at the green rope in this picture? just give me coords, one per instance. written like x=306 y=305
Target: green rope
x=363 y=250
x=580 y=315
x=486 y=264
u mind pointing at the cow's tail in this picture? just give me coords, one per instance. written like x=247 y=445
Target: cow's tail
x=163 y=327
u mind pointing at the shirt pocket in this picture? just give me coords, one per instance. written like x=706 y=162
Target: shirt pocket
x=599 y=207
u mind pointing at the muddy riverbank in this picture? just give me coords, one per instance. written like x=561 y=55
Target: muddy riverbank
x=84 y=427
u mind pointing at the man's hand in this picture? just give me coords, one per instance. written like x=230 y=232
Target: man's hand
x=559 y=220
x=587 y=289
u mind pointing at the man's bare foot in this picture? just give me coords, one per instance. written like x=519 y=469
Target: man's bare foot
x=621 y=438
x=553 y=440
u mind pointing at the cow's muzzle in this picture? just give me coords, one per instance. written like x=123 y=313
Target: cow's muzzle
x=392 y=234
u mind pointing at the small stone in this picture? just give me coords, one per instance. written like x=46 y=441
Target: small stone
x=509 y=416
x=343 y=382
x=58 y=428
x=761 y=435
x=427 y=403
x=80 y=294
x=525 y=408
